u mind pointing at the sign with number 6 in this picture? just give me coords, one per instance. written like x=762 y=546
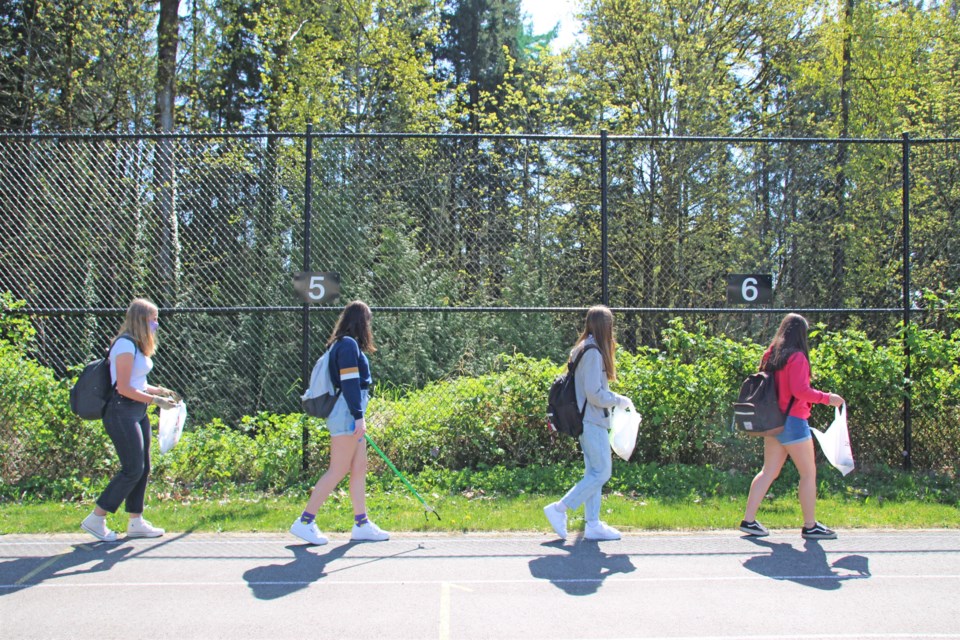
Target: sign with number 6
x=749 y=288
x=317 y=287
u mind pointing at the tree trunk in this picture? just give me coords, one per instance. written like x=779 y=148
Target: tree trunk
x=839 y=257
x=168 y=256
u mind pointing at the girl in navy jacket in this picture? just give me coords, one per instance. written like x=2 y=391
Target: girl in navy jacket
x=349 y=343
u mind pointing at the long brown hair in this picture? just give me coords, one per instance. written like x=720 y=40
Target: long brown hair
x=354 y=321
x=136 y=324
x=790 y=338
x=599 y=324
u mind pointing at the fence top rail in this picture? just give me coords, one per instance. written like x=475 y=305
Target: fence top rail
x=109 y=311
x=72 y=135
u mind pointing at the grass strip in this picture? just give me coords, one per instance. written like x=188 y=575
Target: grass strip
x=397 y=512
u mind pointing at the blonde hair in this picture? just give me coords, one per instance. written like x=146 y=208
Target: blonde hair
x=599 y=324
x=137 y=325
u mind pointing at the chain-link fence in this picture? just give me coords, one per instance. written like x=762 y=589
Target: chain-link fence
x=466 y=247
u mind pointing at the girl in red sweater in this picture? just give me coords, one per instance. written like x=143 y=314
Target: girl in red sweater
x=788 y=356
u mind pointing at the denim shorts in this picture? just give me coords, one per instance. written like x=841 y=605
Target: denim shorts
x=340 y=422
x=794 y=430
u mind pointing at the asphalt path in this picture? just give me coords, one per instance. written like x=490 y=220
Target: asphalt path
x=867 y=584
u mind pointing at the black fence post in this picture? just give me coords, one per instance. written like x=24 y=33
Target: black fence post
x=908 y=383
x=305 y=348
x=604 y=262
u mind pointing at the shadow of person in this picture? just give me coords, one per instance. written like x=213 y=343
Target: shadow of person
x=278 y=580
x=23 y=573
x=582 y=570
x=808 y=567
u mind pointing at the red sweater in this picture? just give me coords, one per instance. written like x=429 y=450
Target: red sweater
x=793 y=381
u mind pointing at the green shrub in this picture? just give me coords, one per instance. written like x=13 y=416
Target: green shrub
x=45 y=450
x=471 y=430
x=264 y=451
x=684 y=394
x=496 y=419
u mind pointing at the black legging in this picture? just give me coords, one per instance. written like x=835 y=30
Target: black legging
x=128 y=426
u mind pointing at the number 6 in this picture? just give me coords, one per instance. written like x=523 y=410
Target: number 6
x=749 y=289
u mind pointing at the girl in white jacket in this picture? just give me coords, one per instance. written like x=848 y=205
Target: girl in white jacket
x=597 y=367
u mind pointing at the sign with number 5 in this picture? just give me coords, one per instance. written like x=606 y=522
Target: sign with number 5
x=317 y=287
x=749 y=288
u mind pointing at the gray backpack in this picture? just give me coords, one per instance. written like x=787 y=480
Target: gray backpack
x=321 y=396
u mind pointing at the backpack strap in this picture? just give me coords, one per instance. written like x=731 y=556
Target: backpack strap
x=332 y=362
x=763 y=367
x=572 y=368
x=789 y=406
x=122 y=336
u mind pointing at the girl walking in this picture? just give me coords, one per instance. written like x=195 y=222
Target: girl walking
x=126 y=421
x=351 y=339
x=597 y=368
x=789 y=358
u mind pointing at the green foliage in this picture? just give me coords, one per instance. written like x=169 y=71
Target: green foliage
x=45 y=450
x=495 y=419
x=684 y=394
x=476 y=432
x=265 y=451
x=870 y=378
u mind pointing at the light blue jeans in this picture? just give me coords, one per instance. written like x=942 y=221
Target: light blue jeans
x=595 y=442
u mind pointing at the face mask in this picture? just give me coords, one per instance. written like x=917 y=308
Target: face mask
x=154 y=325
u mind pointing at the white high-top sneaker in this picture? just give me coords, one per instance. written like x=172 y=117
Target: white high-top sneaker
x=141 y=528
x=97 y=527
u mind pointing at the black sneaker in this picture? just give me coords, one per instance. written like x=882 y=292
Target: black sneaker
x=818 y=532
x=753 y=528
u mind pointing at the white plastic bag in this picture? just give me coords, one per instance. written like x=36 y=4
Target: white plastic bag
x=835 y=442
x=624 y=424
x=171 y=426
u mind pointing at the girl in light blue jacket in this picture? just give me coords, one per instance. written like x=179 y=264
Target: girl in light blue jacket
x=596 y=369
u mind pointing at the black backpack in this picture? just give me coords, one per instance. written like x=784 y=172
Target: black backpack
x=564 y=415
x=92 y=391
x=756 y=411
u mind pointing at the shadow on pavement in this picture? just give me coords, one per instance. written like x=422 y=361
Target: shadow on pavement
x=278 y=580
x=23 y=573
x=808 y=567
x=582 y=570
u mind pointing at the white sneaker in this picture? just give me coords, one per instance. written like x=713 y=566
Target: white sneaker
x=557 y=520
x=308 y=532
x=141 y=528
x=600 y=530
x=97 y=527
x=369 y=531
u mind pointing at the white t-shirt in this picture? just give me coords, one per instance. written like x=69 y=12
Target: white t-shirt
x=141 y=364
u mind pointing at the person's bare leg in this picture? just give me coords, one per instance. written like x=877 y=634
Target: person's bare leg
x=342 y=450
x=774 y=455
x=803 y=456
x=358 y=479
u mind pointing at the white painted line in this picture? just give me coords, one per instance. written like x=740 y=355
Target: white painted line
x=793 y=636
x=320 y=582
x=211 y=539
x=445 y=607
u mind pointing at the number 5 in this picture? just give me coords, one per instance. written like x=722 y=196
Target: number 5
x=316 y=290
x=749 y=289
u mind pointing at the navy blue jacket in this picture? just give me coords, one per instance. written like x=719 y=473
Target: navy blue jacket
x=350 y=372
